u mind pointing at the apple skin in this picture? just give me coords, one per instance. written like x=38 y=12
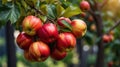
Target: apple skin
x=84 y=6
x=93 y=27
x=48 y=33
x=66 y=41
x=59 y=21
x=24 y=41
x=39 y=51
x=110 y=64
x=31 y=24
x=108 y=38
x=111 y=37
x=57 y=54
x=90 y=18
x=83 y=14
x=79 y=28
x=27 y=56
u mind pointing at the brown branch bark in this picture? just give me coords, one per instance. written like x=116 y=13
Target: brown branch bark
x=113 y=27
x=10 y=45
x=99 y=25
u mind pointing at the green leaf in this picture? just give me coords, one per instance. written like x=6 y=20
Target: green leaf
x=43 y=18
x=66 y=24
x=51 y=11
x=4 y=1
x=49 y=1
x=60 y=10
x=88 y=38
x=43 y=8
x=71 y=11
x=9 y=12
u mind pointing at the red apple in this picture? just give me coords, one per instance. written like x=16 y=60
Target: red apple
x=57 y=54
x=79 y=28
x=24 y=41
x=60 y=23
x=90 y=18
x=66 y=41
x=84 y=6
x=31 y=24
x=27 y=56
x=110 y=64
x=83 y=15
x=39 y=51
x=48 y=33
x=106 y=38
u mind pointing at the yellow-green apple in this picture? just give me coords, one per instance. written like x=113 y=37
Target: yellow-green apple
x=61 y=19
x=93 y=27
x=31 y=24
x=84 y=6
x=48 y=32
x=24 y=41
x=66 y=41
x=57 y=54
x=79 y=28
x=39 y=51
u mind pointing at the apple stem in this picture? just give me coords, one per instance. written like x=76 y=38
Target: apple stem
x=113 y=27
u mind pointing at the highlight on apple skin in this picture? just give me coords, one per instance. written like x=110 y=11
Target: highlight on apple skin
x=79 y=28
x=31 y=24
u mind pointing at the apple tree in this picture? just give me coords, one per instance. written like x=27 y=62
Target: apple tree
x=56 y=27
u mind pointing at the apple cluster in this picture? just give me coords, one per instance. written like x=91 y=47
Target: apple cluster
x=41 y=40
x=107 y=38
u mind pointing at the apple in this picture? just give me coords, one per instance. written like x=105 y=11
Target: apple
x=27 y=56
x=24 y=41
x=79 y=28
x=90 y=18
x=60 y=23
x=93 y=27
x=48 y=33
x=108 y=38
x=66 y=41
x=110 y=64
x=31 y=24
x=39 y=51
x=111 y=37
x=57 y=54
x=84 y=6
x=83 y=15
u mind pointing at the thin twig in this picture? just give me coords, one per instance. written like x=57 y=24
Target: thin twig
x=113 y=27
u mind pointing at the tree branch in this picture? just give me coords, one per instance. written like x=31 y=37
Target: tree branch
x=104 y=3
x=40 y=12
x=113 y=27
